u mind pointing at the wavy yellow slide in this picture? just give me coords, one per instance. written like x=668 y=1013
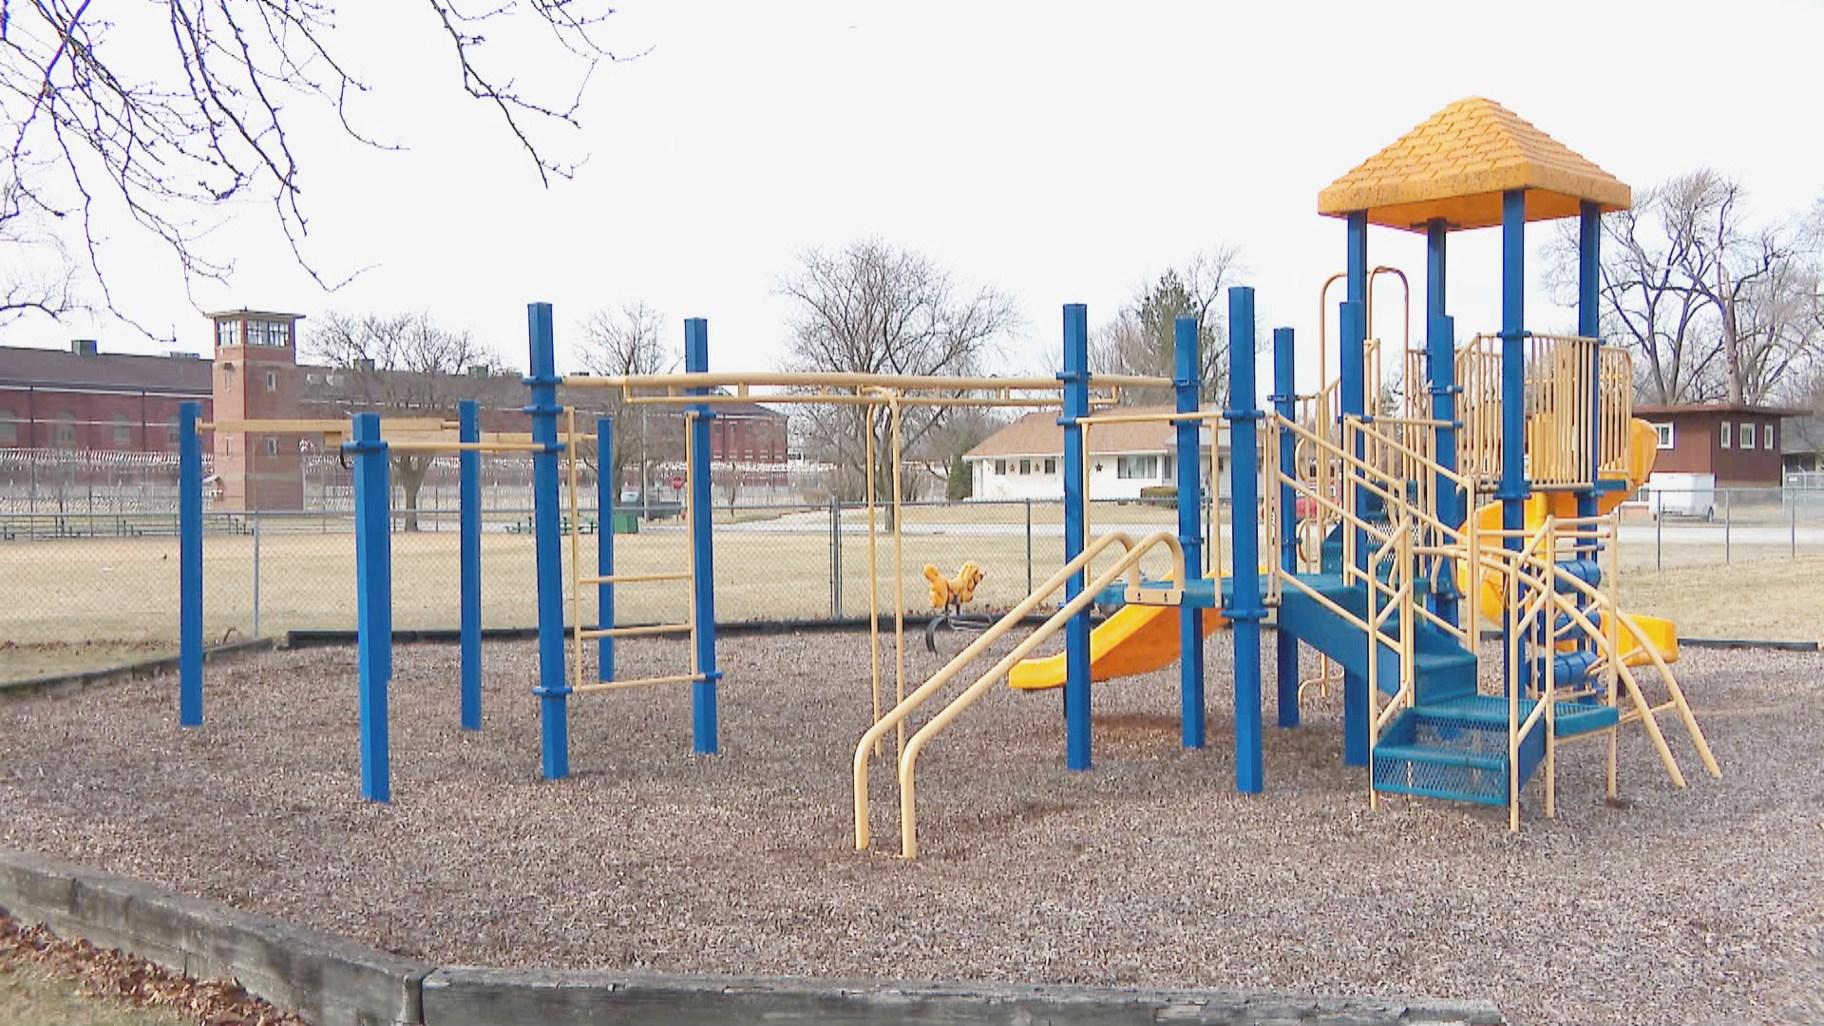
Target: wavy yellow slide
x=1643 y=448
x=1136 y=639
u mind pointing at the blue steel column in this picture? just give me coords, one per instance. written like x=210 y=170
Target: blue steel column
x=605 y=486
x=1249 y=606
x=702 y=693
x=1285 y=400
x=1441 y=366
x=1589 y=325
x=1075 y=379
x=1353 y=401
x=373 y=601
x=1512 y=490
x=553 y=688
x=189 y=567
x=468 y=492
x=1187 y=382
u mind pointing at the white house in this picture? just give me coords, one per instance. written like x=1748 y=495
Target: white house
x=1025 y=459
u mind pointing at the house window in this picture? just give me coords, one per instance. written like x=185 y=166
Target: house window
x=1725 y=437
x=123 y=432
x=1136 y=467
x=272 y=381
x=1025 y=466
x=1051 y=465
x=63 y=432
x=1767 y=438
x=1747 y=435
x=1664 y=433
x=9 y=429
x=1000 y=468
x=272 y=445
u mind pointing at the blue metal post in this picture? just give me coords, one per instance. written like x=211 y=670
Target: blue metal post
x=1353 y=401
x=1075 y=379
x=1355 y=685
x=189 y=567
x=605 y=486
x=703 y=692
x=1285 y=400
x=1512 y=489
x=1187 y=382
x=468 y=492
x=1441 y=364
x=1244 y=491
x=373 y=600
x=1453 y=504
x=1589 y=325
x=553 y=688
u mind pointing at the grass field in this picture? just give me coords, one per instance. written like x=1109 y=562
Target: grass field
x=31 y=997
x=84 y=603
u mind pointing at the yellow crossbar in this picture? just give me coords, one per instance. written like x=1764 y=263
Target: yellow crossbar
x=589 y=633
x=635 y=682
x=682 y=575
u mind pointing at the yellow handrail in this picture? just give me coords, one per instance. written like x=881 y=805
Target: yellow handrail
x=1128 y=565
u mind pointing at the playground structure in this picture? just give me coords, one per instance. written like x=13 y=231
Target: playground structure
x=1361 y=530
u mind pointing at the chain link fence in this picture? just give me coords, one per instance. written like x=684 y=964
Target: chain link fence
x=86 y=585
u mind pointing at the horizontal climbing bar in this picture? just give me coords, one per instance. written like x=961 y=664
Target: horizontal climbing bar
x=636 y=682
x=437 y=446
x=297 y=426
x=681 y=575
x=642 y=630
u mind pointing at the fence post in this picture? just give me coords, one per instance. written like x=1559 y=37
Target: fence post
x=1029 y=546
x=255 y=514
x=1728 y=521
x=835 y=558
x=1792 y=523
x=1659 y=534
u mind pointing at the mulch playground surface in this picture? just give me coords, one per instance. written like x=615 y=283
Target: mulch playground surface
x=1701 y=906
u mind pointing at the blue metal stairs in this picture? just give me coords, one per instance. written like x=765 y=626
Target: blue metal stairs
x=1452 y=742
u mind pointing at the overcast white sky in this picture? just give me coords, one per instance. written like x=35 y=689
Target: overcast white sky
x=1057 y=151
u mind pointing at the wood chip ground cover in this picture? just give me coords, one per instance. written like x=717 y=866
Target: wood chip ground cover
x=1702 y=906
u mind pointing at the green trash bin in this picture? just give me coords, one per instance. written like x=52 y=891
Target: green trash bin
x=626 y=523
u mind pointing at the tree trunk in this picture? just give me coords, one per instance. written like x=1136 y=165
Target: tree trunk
x=411 y=478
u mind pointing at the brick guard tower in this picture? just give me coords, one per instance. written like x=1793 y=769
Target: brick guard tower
x=256 y=377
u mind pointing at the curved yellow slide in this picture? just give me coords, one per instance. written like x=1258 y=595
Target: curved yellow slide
x=1643 y=448
x=1136 y=639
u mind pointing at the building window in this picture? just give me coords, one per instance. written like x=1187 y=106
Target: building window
x=123 y=432
x=1664 y=431
x=1747 y=435
x=227 y=333
x=63 y=432
x=9 y=430
x=1137 y=467
x=1000 y=468
x=1051 y=464
x=172 y=437
x=1767 y=438
x=272 y=381
x=1025 y=466
x=1725 y=436
x=268 y=333
x=272 y=445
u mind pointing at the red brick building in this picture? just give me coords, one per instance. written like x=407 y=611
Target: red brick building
x=85 y=400
x=1738 y=444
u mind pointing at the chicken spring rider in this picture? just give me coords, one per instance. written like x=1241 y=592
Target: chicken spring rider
x=948 y=596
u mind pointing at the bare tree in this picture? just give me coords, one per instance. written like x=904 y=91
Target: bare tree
x=1142 y=336
x=403 y=363
x=629 y=341
x=1715 y=309
x=158 y=113
x=876 y=309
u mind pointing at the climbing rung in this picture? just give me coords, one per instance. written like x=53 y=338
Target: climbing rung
x=590 y=633
x=635 y=682
x=683 y=575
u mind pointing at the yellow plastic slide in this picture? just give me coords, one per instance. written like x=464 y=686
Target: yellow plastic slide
x=1137 y=639
x=1643 y=447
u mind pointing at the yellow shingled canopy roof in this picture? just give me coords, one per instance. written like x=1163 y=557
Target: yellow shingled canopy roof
x=1457 y=164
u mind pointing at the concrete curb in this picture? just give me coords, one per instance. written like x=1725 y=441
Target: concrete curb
x=334 y=982
x=126 y=671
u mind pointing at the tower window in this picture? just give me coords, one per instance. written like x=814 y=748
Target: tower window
x=272 y=446
x=272 y=381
